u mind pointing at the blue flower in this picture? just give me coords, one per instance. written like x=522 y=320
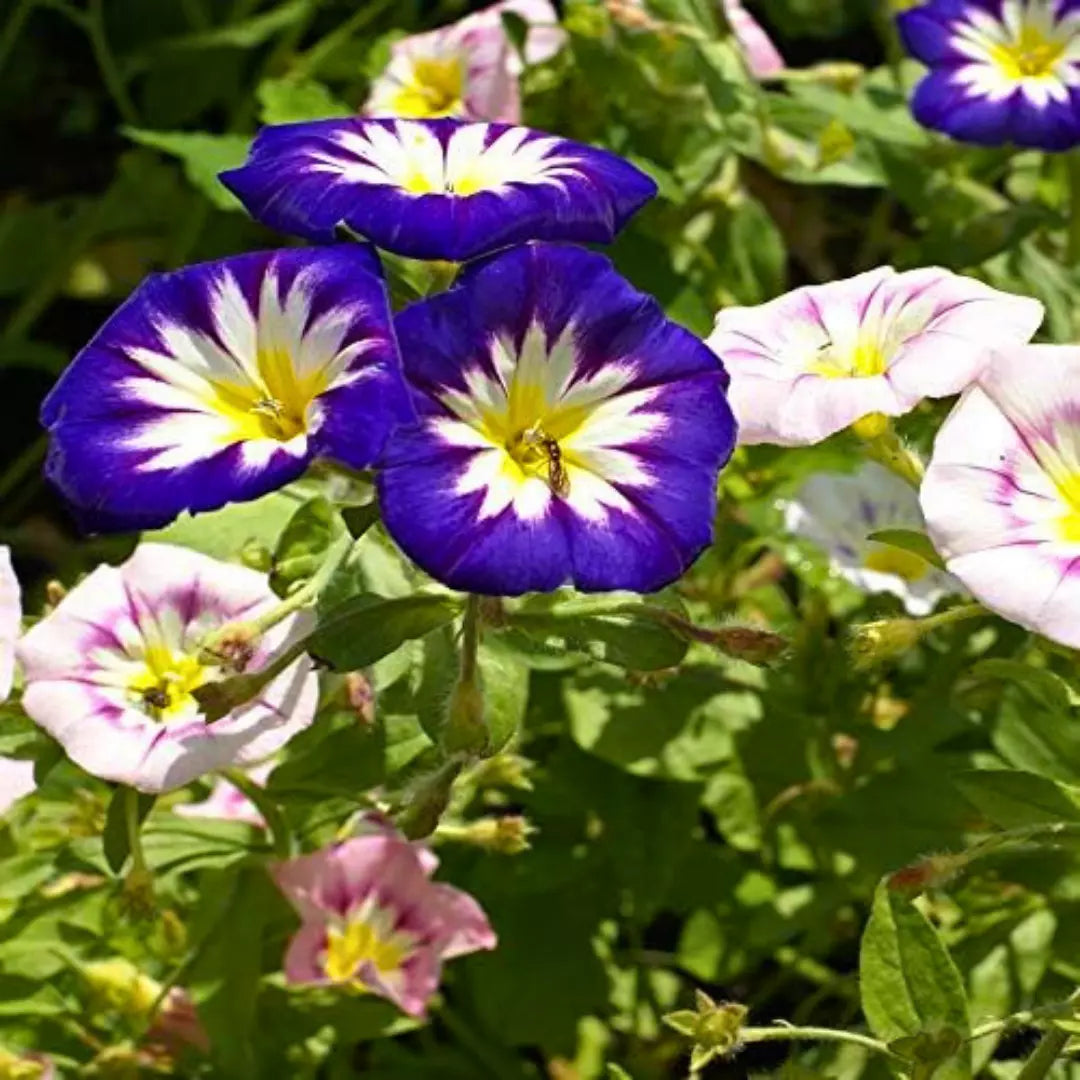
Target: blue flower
x=220 y=382
x=567 y=432
x=436 y=189
x=1001 y=70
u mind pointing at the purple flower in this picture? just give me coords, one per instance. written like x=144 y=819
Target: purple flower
x=220 y=382
x=1002 y=491
x=110 y=673
x=568 y=432
x=372 y=919
x=436 y=189
x=1000 y=70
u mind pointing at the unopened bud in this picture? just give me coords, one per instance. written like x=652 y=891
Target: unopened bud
x=465 y=730
x=714 y=1028
x=232 y=647
x=845 y=75
x=137 y=899
x=361 y=697
x=24 y=1067
x=55 y=591
x=119 y=986
x=834 y=144
x=503 y=770
x=257 y=556
x=933 y=872
x=174 y=935
x=878 y=642
x=507 y=835
x=751 y=644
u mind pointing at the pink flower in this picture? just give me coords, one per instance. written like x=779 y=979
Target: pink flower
x=1002 y=491
x=372 y=919
x=762 y=56
x=469 y=68
x=111 y=672
x=815 y=360
x=10 y=621
x=226 y=802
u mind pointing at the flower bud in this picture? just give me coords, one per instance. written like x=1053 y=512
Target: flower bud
x=503 y=770
x=118 y=986
x=714 y=1028
x=877 y=642
x=257 y=556
x=508 y=835
x=932 y=872
x=137 y=899
x=465 y=730
x=361 y=697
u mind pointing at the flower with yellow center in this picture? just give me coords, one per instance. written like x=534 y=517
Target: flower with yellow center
x=223 y=381
x=1005 y=72
x=374 y=922
x=111 y=672
x=1002 y=490
x=838 y=512
x=823 y=357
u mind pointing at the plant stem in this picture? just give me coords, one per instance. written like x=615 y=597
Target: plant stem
x=470 y=639
x=784 y=1033
x=882 y=444
x=280 y=839
x=1072 y=225
x=953 y=615
x=308 y=63
x=110 y=74
x=131 y=819
x=1048 y=1051
x=1058 y=1010
x=310 y=591
x=13 y=28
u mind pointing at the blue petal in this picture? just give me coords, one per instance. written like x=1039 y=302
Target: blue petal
x=653 y=529
x=138 y=431
x=310 y=178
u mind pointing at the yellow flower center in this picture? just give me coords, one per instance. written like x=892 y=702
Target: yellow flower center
x=163 y=688
x=18 y=1068
x=357 y=944
x=274 y=407
x=436 y=88
x=1068 y=485
x=537 y=453
x=890 y=560
x=1031 y=55
x=865 y=360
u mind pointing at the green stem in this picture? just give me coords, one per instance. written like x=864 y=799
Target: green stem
x=309 y=62
x=1072 y=225
x=131 y=819
x=1058 y=1010
x=784 y=1033
x=953 y=615
x=280 y=838
x=1048 y=1051
x=310 y=591
x=882 y=444
x=110 y=74
x=470 y=639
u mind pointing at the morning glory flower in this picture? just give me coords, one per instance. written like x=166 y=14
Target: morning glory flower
x=16 y=780
x=815 y=360
x=110 y=673
x=372 y=919
x=469 y=68
x=568 y=432
x=1002 y=490
x=838 y=512
x=762 y=56
x=436 y=189
x=220 y=382
x=1000 y=70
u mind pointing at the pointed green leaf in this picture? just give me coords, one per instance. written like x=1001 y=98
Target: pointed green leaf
x=116 y=840
x=910 y=985
x=916 y=543
x=1013 y=799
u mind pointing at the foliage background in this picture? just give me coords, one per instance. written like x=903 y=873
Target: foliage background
x=722 y=825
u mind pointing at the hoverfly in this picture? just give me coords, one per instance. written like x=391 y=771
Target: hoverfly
x=536 y=439
x=154 y=699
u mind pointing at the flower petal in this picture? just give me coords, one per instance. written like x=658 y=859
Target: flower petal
x=221 y=382
x=436 y=189
x=10 y=620
x=538 y=338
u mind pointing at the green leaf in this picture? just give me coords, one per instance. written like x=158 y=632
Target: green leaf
x=287 y=101
x=504 y=679
x=116 y=841
x=611 y=627
x=910 y=985
x=358 y=519
x=303 y=544
x=365 y=628
x=222 y=534
x=909 y=540
x=224 y=979
x=1013 y=799
x=202 y=157
x=1041 y=685
x=247 y=33
x=617 y=1072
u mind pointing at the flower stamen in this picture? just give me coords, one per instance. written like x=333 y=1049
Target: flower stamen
x=534 y=450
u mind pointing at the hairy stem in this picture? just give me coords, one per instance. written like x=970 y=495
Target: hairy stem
x=1048 y=1051
x=786 y=1033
